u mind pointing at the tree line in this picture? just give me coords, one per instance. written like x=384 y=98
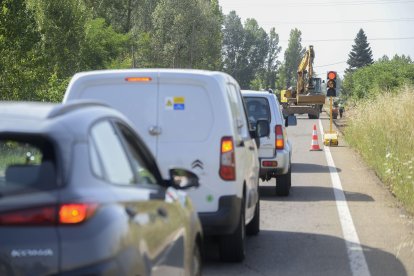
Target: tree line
x=43 y=43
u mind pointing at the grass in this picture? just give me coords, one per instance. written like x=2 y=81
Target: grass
x=382 y=131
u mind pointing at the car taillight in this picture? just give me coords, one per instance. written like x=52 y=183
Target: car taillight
x=33 y=216
x=279 y=140
x=76 y=212
x=227 y=160
x=49 y=215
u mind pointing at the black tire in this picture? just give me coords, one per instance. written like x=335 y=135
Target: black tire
x=232 y=247
x=310 y=116
x=253 y=228
x=283 y=184
x=196 y=263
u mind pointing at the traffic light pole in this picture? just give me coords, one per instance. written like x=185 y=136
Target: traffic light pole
x=330 y=113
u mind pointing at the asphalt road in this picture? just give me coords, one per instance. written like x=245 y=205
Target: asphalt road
x=339 y=219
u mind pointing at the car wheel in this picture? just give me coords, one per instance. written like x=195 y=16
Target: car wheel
x=196 y=261
x=283 y=184
x=232 y=247
x=253 y=228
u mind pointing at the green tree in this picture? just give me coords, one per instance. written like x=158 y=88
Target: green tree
x=384 y=75
x=293 y=56
x=62 y=28
x=233 y=41
x=271 y=62
x=254 y=52
x=183 y=35
x=21 y=61
x=361 y=53
x=245 y=49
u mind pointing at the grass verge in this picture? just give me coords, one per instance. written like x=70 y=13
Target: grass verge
x=382 y=131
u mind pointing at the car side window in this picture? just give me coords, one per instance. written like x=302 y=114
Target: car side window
x=142 y=171
x=114 y=160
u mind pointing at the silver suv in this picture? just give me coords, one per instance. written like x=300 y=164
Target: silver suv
x=275 y=152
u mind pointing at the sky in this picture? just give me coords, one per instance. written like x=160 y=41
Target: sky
x=332 y=25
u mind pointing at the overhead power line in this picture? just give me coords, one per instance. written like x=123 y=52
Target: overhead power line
x=352 y=39
x=323 y=4
x=339 y=62
x=389 y=20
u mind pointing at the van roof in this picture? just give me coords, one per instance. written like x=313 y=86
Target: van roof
x=129 y=72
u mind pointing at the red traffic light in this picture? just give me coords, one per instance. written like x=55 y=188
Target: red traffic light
x=331 y=75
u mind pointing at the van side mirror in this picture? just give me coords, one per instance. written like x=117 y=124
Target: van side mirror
x=291 y=121
x=182 y=179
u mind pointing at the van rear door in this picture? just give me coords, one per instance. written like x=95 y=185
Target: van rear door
x=133 y=93
x=186 y=119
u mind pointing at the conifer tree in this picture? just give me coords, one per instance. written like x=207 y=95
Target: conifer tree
x=361 y=54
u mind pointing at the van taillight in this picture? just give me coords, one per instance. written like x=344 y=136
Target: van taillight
x=49 y=215
x=227 y=160
x=279 y=140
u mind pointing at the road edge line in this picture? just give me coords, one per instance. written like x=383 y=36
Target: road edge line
x=355 y=252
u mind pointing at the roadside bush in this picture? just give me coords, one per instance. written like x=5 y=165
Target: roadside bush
x=381 y=129
x=369 y=81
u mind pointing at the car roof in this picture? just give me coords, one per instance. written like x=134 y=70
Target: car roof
x=255 y=93
x=52 y=118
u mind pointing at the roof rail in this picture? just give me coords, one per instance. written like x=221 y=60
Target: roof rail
x=71 y=106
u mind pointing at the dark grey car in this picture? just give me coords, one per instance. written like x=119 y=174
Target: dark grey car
x=80 y=194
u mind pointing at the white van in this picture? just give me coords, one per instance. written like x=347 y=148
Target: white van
x=195 y=120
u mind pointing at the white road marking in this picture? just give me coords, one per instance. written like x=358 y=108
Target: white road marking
x=356 y=256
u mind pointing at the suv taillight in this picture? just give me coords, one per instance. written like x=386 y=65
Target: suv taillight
x=279 y=139
x=227 y=160
x=49 y=215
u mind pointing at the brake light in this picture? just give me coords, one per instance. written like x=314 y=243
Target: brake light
x=279 y=140
x=227 y=160
x=49 y=215
x=138 y=79
x=75 y=213
x=33 y=216
x=269 y=164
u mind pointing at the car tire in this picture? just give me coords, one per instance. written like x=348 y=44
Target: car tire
x=196 y=263
x=253 y=228
x=283 y=184
x=232 y=247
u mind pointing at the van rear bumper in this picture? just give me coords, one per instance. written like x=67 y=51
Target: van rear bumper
x=225 y=220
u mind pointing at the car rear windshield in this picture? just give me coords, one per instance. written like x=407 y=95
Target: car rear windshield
x=257 y=109
x=27 y=165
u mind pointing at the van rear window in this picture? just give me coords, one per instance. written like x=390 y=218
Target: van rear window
x=257 y=109
x=26 y=166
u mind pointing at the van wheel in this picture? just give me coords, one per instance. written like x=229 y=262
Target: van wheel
x=232 y=248
x=283 y=184
x=253 y=228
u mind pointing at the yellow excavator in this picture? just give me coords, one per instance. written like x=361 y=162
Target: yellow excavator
x=308 y=97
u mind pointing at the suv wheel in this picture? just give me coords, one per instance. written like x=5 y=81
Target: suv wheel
x=283 y=183
x=232 y=248
x=253 y=228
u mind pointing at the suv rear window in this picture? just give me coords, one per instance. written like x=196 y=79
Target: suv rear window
x=26 y=165
x=257 y=109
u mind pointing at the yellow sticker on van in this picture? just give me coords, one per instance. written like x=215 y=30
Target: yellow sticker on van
x=174 y=103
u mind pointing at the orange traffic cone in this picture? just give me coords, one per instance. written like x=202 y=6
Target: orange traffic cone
x=315 y=144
